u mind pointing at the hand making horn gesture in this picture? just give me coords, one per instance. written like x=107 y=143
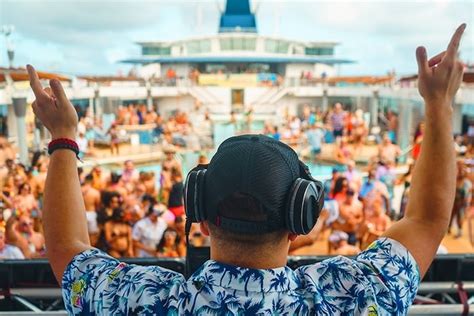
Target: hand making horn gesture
x=53 y=108
x=440 y=77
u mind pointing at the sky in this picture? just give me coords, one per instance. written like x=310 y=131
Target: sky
x=91 y=37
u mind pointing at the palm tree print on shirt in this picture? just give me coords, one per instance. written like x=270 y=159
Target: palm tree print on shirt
x=383 y=280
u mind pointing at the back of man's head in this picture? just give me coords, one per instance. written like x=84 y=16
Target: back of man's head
x=246 y=192
x=244 y=207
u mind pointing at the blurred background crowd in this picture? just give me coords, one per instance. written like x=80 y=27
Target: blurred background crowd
x=132 y=212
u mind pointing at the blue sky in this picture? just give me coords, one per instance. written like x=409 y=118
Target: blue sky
x=89 y=37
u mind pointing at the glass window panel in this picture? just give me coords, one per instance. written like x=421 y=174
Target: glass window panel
x=319 y=51
x=197 y=47
x=156 y=50
x=237 y=43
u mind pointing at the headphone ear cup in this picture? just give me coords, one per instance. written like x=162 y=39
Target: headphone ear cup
x=292 y=209
x=193 y=195
x=303 y=210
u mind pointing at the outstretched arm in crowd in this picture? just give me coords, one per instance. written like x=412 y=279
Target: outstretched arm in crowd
x=64 y=215
x=434 y=178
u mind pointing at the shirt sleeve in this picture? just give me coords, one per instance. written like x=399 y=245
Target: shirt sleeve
x=393 y=274
x=383 y=279
x=95 y=283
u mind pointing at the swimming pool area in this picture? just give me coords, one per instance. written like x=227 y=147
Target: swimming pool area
x=221 y=131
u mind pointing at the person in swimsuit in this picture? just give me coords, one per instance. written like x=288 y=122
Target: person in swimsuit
x=92 y=199
x=118 y=235
x=114 y=139
x=462 y=199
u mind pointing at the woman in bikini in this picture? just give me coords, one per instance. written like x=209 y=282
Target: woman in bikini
x=118 y=235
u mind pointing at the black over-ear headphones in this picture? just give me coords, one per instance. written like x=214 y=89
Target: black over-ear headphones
x=304 y=201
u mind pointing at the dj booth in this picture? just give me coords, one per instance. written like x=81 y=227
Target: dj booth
x=28 y=287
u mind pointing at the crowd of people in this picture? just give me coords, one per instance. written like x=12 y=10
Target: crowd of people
x=128 y=215
x=132 y=213
x=177 y=129
x=361 y=202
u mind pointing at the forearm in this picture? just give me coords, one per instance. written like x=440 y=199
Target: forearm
x=434 y=177
x=431 y=193
x=65 y=225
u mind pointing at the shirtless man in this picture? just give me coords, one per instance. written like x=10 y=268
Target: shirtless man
x=170 y=161
x=98 y=180
x=92 y=203
x=350 y=216
x=376 y=224
x=20 y=233
x=388 y=152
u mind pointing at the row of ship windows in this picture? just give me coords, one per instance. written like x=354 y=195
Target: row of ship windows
x=238 y=44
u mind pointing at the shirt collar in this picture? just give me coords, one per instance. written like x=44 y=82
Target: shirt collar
x=244 y=279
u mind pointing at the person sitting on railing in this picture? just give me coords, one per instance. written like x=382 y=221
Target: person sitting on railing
x=253 y=199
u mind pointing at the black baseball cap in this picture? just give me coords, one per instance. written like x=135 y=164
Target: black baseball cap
x=254 y=165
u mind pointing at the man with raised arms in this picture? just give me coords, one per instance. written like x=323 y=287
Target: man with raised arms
x=247 y=272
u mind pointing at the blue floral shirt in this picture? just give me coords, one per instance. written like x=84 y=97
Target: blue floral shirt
x=383 y=280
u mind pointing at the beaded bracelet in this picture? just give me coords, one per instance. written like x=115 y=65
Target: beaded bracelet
x=63 y=143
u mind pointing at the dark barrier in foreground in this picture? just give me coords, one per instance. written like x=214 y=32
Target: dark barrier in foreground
x=38 y=273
